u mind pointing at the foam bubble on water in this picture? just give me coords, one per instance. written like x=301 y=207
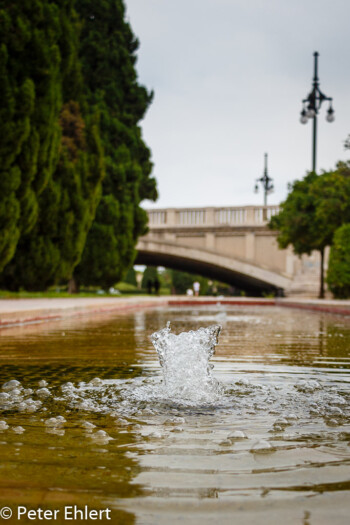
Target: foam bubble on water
x=175 y=420
x=3 y=425
x=334 y=399
x=15 y=392
x=333 y=411
x=87 y=405
x=87 y=425
x=68 y=387
x=4 y=397
x=177 y=429
x=277 y=428
x=11 y=385
x=158 y=434
x=51 y=422
x=261 y=447
x=308 y=386
x=96 y=381
x=100 y=437
x=101 y=433
x=332 y=423
x=243 y=382
x=55 y=421
x=237 y=435
x=56 y=431
x=185 y=362
x=122 y=421
x=43 y=392
x=225 y=443
x=281 y=422
x=18 y=430
x=27 y=391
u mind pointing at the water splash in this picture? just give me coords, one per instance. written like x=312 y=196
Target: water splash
x=185 y=362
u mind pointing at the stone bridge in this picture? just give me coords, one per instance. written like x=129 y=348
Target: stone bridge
x=230 y=244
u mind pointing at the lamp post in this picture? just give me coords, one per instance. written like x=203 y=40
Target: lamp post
x=311 y=106
x=266 y=182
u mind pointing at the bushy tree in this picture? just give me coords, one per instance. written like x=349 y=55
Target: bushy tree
x=67 y=204
x=130 y=277
x=49 y=253
x=331 y=194
x=108 y=58
x=30 y=70
x=338 y=275
x=182 y=281
x=70 y=107
x=150 y=275
x=315 y=207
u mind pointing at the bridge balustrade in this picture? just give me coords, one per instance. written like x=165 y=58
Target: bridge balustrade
x=192 y=217
x=235 y=216
x=231 y=216
x=157 y=217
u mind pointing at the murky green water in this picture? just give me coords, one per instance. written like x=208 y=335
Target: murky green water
x=275 y=448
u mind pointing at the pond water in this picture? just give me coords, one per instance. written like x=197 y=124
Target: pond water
x=90 y=422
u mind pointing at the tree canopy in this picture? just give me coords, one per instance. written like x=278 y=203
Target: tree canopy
x=70 y=115
x=30 y=74
x=315 y=207
x=338 y=275
x=150 y=275
x=66 y=205
x=108 y=58
x=182 y=281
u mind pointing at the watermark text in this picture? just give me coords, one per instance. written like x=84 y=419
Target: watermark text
x=69 y=513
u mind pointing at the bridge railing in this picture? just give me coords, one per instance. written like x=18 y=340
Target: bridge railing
x=209 y=217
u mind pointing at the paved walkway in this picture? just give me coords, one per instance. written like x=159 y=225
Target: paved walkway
x=22 y=311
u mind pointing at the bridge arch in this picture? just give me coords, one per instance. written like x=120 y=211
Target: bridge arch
x=233 y=271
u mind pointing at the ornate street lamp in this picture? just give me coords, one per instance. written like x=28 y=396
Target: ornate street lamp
x=266 y=182
x=311 y=107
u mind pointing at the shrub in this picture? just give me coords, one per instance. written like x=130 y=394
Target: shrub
x=338 y=276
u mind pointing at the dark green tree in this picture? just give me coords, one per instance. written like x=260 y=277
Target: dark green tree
x=150 y=274
x=67 y=205
x=130 y=277
x=108 y=56
x=30 y=69
x=182 y=281
x=338 y=275
x=49 y=253
x=315 y=207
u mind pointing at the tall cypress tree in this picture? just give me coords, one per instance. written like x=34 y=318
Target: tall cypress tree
x=54 y=112
x=67 y=205
x=29 y=105
x=108 y=57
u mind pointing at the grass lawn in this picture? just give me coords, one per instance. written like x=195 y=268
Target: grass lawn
x=126 y=290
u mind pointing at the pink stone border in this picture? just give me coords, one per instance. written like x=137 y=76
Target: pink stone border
x=54 y=310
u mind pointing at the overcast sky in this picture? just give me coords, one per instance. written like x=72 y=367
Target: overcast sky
x=228 y=77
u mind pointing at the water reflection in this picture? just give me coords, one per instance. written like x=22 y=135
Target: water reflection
x=275 y=445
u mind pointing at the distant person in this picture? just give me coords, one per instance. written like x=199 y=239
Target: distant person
x=149 y=286
x=196 y=288
x=189 y=292
x=156 y=285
